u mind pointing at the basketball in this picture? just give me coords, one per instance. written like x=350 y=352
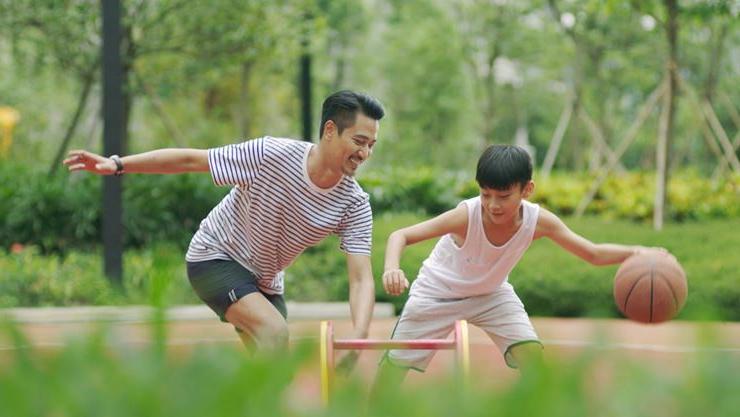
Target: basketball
x=650 y=287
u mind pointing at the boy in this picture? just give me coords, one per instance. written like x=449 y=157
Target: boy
x=466 y=275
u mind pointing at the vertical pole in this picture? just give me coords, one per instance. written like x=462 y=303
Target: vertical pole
x=304 y=77
x=327 y=360
x=113 y=130
x=462 y=351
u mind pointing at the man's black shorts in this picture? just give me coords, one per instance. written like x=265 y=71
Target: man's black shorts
x=221 y=283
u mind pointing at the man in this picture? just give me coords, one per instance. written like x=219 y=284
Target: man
x=288 y=195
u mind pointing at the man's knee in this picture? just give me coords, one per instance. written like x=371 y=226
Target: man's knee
x=274 y=334
x=261 y=321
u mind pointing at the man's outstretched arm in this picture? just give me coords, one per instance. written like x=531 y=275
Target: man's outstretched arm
x=160 y=161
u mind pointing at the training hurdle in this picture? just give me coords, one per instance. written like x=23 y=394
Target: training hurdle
x=459 y=343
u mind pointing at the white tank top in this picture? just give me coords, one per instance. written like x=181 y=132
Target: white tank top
x=478 y=267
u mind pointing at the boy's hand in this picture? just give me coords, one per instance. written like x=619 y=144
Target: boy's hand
x=395 y=282
x=647 y=249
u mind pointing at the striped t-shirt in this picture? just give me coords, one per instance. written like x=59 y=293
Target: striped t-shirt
x=274 y=212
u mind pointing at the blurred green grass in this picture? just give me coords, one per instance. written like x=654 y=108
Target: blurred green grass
x=89 y=376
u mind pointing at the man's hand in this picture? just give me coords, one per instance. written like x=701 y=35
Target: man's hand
x=395 y=282
x=88 y=161
x=347 y=362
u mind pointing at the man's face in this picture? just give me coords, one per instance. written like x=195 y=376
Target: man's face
x=355 y=145
x=502 y=206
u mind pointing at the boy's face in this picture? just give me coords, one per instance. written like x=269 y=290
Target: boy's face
x=502 y=206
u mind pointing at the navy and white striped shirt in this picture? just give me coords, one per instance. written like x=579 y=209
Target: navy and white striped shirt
x=274 y=212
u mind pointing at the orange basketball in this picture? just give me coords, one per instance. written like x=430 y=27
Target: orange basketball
x=650 y=287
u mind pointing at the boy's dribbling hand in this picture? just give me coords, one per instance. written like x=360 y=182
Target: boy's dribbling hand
x=647 y=249
x=395 y=282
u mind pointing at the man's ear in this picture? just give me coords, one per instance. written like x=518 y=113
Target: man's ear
x=330 y=129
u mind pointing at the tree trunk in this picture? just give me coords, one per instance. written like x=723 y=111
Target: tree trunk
x=627 y=139
x=489 y=87
x=81 y=104
x=169 y=125
x=339 y=67
x=557 y=137
x=665 y=129
x=244 y=113
x=715 y=56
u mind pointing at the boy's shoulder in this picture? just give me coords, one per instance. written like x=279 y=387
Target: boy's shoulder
x=547 y=222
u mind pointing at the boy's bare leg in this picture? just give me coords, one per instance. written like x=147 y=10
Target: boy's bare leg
x=527 y=356
x=389 y=376
x=261 y=323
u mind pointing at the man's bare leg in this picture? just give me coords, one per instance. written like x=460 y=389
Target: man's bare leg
x=261 y=324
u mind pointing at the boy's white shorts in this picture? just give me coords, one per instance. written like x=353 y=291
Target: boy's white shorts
x=500 y=314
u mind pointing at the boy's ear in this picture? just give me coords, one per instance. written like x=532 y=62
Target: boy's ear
x=528 y=189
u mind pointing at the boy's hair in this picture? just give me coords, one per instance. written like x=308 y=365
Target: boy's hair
x=342 y=107
x=501 y=166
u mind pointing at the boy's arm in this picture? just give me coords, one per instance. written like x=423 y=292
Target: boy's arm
x=454 y=221
x=549 y=225
x=160 y=161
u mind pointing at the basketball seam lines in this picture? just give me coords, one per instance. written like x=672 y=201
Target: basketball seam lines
x=632 y=288
x=670 y=288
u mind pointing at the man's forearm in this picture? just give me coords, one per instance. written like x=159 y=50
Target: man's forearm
x=361 y=303
x=167 y=161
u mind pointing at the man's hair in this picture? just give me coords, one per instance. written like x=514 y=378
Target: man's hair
x=342 y=108
x=501 y=166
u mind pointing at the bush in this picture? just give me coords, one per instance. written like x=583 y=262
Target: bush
x=30 y=279
x=63 y=212
x=550 y=281
x=422 y=190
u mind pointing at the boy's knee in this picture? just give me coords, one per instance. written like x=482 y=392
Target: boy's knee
x=525 y=355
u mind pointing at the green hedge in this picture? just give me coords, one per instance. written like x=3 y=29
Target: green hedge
x=550 y=281
x=63 y=211
x=30 y=279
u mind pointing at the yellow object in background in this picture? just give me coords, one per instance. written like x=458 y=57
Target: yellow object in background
x=9 y=117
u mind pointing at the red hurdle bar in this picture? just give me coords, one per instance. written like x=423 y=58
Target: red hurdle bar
x=374 y=344
x=328 y=345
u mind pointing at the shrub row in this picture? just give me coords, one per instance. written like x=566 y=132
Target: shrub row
x=550 y=281
x=64 y=211
x=60 y=212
